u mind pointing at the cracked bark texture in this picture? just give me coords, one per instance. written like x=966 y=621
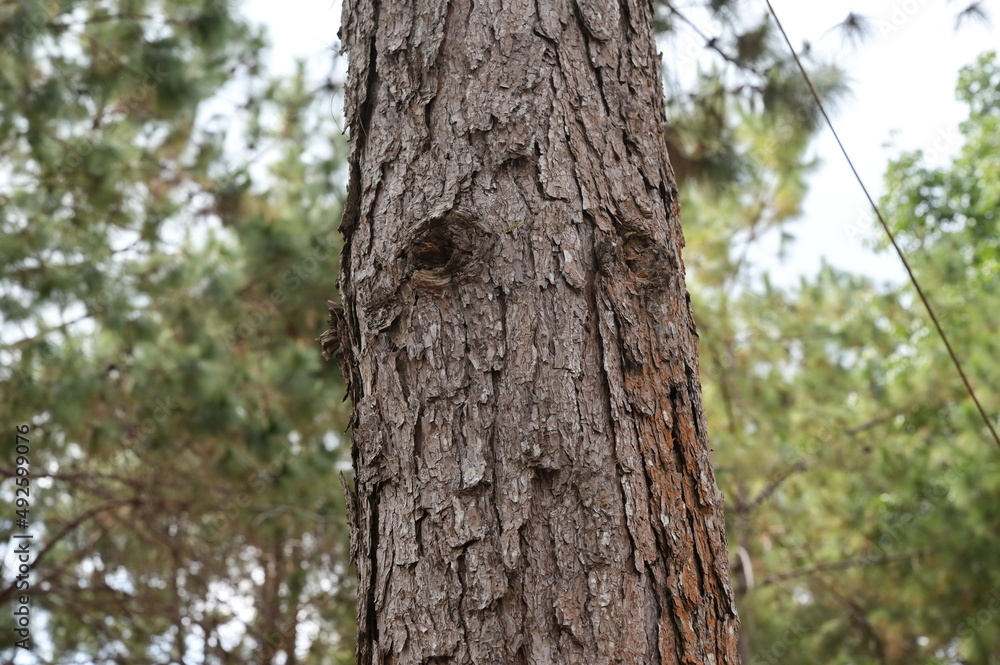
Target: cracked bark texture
x=532 y=473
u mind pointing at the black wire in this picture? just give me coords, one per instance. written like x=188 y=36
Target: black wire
x=885 y=227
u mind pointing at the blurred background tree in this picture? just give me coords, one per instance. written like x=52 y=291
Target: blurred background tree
x=169 y=215
x=862 y=486
x=169 y=211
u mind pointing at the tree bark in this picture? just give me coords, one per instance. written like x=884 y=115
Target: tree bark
x=532 y=473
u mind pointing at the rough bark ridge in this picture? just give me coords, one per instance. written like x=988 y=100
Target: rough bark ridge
x=533 y=482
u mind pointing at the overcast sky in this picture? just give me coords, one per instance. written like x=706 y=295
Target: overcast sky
x=902 y=90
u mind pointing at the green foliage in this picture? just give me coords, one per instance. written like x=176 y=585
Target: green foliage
x=165 y=274
x=749 y=76
x=862 y=486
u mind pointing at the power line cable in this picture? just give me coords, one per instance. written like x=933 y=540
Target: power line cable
x=888 y=231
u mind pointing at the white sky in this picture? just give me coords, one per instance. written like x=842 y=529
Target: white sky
x=902 y=89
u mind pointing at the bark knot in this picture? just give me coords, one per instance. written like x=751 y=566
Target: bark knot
x=644 y=258
x=448 y=249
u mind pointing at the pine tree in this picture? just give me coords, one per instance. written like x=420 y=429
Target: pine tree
x=532 y=470
x=166 y=238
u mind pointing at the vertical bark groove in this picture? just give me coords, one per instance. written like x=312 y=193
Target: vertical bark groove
x=532 y=473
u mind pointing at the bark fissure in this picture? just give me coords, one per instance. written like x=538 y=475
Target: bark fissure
x=370 y=640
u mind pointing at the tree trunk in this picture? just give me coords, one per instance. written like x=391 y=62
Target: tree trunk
x=532 y=472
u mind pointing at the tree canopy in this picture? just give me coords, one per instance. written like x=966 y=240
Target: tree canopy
x=862 y=484
x=168 y=211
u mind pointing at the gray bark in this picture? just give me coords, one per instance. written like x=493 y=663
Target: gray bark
x=532 y=473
